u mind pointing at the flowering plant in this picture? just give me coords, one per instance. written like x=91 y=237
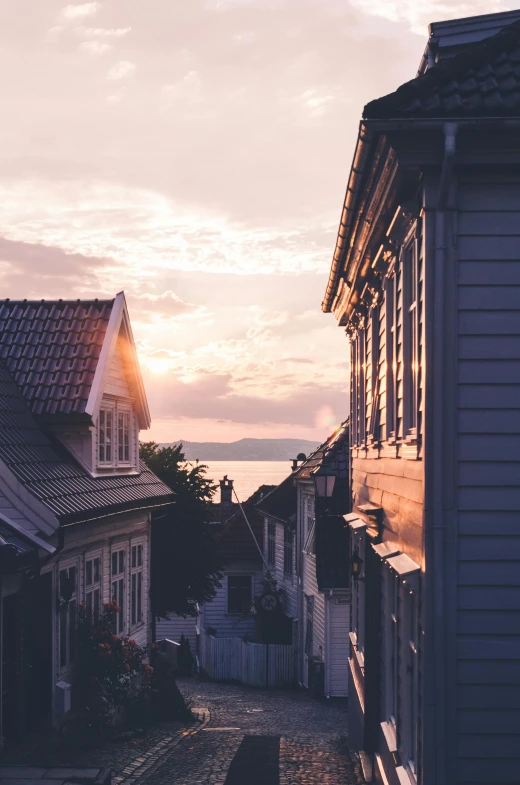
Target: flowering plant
x=116 y=661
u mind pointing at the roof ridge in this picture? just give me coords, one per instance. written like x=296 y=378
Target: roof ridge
x=474 y=55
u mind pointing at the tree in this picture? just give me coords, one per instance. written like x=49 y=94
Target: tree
x=186 y=570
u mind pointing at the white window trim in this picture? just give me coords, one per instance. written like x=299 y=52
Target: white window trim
x=135 y=543
x=116 y=547
x=117 y=407
x=235 y=574
x=66 y=564
x=90 y=556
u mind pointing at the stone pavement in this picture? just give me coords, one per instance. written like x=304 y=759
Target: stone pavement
x=242 y=736
x=257 y=737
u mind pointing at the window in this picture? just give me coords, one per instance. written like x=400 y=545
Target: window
x=118 y=587
x=391 y=645
x=271 y=542
x=288 y=546
x=309 y=621
x=389 y=348
x=411 y=679
x=239 y=593
x=68 y=580
x=358 y=594
x=136 y=578
x=114 y=435
x=123 y=437
x=106 y=436
x=410 y=336
x=93 y=587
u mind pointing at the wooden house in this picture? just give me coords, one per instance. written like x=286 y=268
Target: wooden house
x=322 y=567
x=75 y=501
x=426 y=280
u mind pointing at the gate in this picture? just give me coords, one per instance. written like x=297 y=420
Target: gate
x=255 y=664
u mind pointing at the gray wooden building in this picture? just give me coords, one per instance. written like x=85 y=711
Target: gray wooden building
x=426 y=281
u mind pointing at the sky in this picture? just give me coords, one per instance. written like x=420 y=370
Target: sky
x=195 y=154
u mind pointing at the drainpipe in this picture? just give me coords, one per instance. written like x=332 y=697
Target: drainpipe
x=436 y=500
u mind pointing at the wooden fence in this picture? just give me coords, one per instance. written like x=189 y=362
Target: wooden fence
x=254 y=664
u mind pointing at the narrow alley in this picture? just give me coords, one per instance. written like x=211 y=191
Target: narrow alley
x=246 y=737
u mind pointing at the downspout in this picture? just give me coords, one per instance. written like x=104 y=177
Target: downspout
x=436 y=501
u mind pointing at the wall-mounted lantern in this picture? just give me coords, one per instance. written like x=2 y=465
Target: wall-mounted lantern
x=324 y=480
x=356 y=563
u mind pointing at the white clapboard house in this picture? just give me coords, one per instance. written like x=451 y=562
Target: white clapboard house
x=75 y=502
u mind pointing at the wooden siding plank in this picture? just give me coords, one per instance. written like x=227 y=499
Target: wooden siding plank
x=490 y=498
x=488 y=396
x=488 y=447
x=487 y=347
x=489 y=372
x=489 y=249
x=484 y=672
x=488 y=222
x=493 y=198
x=489 y=721
x=484 y=746
x=489 y=323
x=497 y=626
x=489 y=573
x=495 y=548
x=488 y=598
x=488 y=524
x=495 y=696
x=497 y=474
x=494 y=298
x=489 y=421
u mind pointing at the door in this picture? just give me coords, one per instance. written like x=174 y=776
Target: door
x=339 y=610
x=10 y=674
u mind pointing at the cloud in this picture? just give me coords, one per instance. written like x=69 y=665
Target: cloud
x=419 y=13
x=161 y=307
x=102 y=32
x=95 y=47
x=121 y=70
x=82 y=11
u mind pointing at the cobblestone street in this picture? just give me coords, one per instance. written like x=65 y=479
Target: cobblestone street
x=296 y=741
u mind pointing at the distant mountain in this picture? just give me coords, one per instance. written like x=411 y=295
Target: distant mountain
x=246 y=450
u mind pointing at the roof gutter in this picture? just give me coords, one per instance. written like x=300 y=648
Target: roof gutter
x=100 y=515
x=354 y=184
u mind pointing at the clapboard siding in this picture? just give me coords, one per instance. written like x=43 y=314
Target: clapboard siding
x=310 y=588
x=176 y=626
x=488 y=498
x=116 y=381
x=288 y=583
x=338 y=645
x=215 y=613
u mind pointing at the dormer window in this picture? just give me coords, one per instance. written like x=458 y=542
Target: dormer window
x=115 y=435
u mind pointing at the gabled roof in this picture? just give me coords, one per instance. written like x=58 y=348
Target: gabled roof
x=333 y=454
x=54 y=480
x=236 y=542
x=483 y=80
x=280 y=503
x=57 y=352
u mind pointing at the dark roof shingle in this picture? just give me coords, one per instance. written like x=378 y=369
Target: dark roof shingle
x=51 y=349
x=280 y=503
x=332 y=453
x=54 y=477
x=482 y=81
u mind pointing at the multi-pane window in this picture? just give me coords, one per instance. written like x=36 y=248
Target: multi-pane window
x=411 y=335
x=239 y=593
x=117 y=575
x=358 y=594
x=288 y=549
x=271 y=542
x=123 y=437
x=68 y=587
x=114 y=435
x=136 y=578
x=411 y=681
x=309 y=624
x=392 y=645
x=106 y=436
x=93 y=587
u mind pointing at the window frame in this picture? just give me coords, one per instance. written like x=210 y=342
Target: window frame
x=136 y=614
x=116 y=408
x=120 y=578
x=409 y=700
x=358 y=598
x=250 y=577
x=308 y=644
x=94 y=585
x=271 y=543
x=67 y=635
x=410 y=336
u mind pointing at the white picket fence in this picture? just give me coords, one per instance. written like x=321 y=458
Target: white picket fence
x=254 y=664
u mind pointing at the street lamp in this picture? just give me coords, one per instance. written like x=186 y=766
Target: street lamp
x=356 y=562
x=324 y=479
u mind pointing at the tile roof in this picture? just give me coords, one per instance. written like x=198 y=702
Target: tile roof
x=51 y=349
x=333 y=453
x=53 y=476
x=482 y=81
x=280 y=503
x=236 y=542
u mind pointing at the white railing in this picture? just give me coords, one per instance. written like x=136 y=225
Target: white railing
x=254 y=664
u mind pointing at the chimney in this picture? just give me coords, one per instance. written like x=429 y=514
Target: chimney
x=226 y=498
x=294 y=464
x=295 y=461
